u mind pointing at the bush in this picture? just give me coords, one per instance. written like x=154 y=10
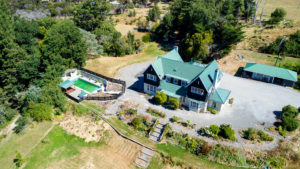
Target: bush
x=156 y=113
x=281 y=131
x=204 y=131
x=174 y=103
x=146 y=38
x=18 y=160
x=130 y=5
x=289 y=123
x=40 y=112
x=264 y=137
x=21 y=123
x=132 y=111
x=250 y=134
x=213 y=111
x=214 y=129
x=227 y=132
x=231 y=100
x=160 y=97
x=290 y=111
x=205 y=148
x=175 y=119
x=277 y=16
x=137 y=122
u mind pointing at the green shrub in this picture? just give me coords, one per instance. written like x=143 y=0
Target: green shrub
x=276 y=162
x=250 y=134
x=205 y=131
x=277 y=16
x=227 y=132
x=175 y=119
x=137 y=122
x=156 y=113
x=18 y=160
x=289 y=123
x=146 y=38
x=40 y=112
x=281 y=131
x=132 y=111
x=264 y=136
x=213 y=111
x=160 y=97
x=174 y=103
x=130 y=5
x=214 y=129
x=21 y=123
x=231 y=101
x=290 y=111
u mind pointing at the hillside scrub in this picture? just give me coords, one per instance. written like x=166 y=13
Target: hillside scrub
x=256 y=135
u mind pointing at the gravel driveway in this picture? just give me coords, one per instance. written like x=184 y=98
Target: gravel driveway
x=254 y=101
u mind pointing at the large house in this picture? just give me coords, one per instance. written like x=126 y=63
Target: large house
x=194 y=84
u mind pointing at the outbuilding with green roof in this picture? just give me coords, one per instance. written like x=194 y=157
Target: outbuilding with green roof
x=270 y=74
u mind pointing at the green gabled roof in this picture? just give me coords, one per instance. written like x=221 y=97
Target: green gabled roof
x=220 y=95
x=173 y=55
x=271 y=71
x=177 y=69
x=172 y=89
x=207 y=76
x=66 y=84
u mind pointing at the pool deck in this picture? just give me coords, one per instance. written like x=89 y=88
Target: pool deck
x=74 y=94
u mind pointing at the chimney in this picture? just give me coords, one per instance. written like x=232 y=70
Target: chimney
x=176 y=48
x=215 y=79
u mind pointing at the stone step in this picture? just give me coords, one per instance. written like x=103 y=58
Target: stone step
x=141 y=163
x=157 y=130
x=153 y=138
x=155 y=134
x=160 y=126
x=147 y=153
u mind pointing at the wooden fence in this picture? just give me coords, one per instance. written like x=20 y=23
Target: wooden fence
x=104 y=98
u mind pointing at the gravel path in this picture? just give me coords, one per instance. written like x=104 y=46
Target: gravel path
x=254 y=103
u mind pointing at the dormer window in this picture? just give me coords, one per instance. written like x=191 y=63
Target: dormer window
x=151 y=77
x=168 y=79
x=175 y=81
x=197 y=90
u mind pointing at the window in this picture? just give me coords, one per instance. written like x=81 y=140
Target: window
x=197 y=90
x=175 y=81
x=151 y=77
x=168 y=79
x=183 y=83
x=194 y=104
x=151 y=88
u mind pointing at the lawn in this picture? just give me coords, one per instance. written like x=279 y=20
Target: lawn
x=109 y=66
x=22 y=143
x=56 y=146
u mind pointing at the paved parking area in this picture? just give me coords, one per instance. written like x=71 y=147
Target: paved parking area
x=254 y=101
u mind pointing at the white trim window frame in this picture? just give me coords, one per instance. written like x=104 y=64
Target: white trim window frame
x=175 y=81
x=183 y=83
x=168 y=79
x=196 y=90
x=151 y=77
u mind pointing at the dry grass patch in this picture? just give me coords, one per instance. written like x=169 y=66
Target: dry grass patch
x=87 y=127
x=109 y=66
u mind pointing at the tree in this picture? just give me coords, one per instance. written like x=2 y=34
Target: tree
x=89 y=14
x=160 y=97
x=277 y=16
x=154 y=13
x=18 y=160
x=197 y=45
x=174 y=103
x=137 y=122
x=290 y=111
x=52 y=95
x=289 y=123
x=40 y=112
x=64 y=43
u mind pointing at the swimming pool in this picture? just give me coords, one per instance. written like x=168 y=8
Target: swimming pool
x=85 y=85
